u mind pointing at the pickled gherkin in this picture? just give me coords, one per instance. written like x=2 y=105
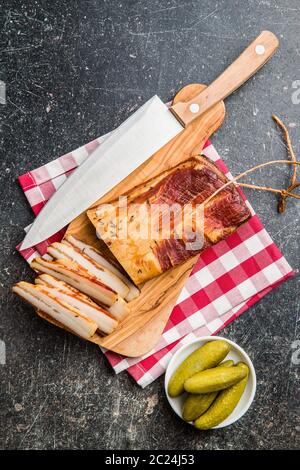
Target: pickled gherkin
x=224 y=404
x=196 y=404
x=209 y=355
x=213 y=380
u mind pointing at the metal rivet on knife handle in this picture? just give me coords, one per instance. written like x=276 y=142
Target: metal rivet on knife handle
x=194 y=108
x=246 y=65
x=260 y=49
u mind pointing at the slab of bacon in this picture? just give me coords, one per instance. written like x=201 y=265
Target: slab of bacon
x=189 y=184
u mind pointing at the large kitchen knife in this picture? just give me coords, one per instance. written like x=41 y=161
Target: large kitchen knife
x=139 y=137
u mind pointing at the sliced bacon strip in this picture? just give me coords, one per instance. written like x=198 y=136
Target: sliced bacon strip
x=105 y=321
x=73 y=274
x=58 y=309
x=66 y=251
x=95 y=255
x=119 y=309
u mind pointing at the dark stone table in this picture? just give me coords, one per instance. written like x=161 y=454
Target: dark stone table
x=73 y=71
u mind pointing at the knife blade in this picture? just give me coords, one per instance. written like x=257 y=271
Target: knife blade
x=137 y=139
x=133 y=142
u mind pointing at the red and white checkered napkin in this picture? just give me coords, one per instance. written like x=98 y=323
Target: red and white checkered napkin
x=227 y=279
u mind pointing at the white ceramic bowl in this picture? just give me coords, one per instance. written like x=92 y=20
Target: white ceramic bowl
x=237 y=354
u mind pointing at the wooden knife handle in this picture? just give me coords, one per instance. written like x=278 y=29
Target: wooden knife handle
x=251 y=60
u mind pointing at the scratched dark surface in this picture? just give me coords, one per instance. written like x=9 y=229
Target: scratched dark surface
x=73 y=71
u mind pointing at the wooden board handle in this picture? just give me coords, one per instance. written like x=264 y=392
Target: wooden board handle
x=246 y=65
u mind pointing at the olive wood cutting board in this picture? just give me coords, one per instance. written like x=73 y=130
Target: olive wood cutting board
x=139 y=332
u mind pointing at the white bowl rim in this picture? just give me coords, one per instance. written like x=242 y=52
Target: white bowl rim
x=252 y=373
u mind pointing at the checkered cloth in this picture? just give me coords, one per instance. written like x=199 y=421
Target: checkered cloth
x=227 y=279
